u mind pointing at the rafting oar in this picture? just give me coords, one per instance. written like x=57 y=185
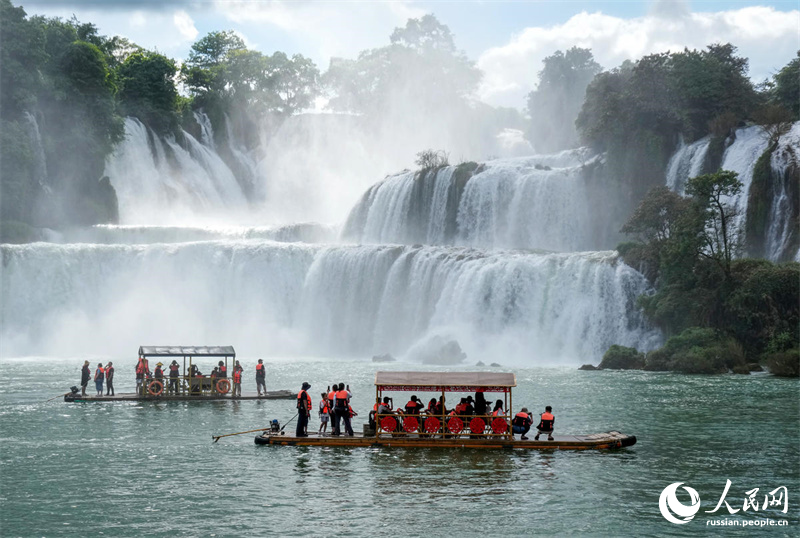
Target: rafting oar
x=291 y=419
x=59 y=396
x=218 y=437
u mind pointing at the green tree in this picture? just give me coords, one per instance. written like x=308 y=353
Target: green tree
x=719 y=241
x=555 y=104
x=147 y=90
x=786 y=92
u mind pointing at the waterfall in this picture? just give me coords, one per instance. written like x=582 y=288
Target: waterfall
x=741 y=157
x=161 y=180
x=39 y=159
x=538 y=202
x=272 y=297
x=783 y=213
x=687 y=162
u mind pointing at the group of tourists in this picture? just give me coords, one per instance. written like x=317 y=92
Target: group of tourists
x=102 y=374
x=477 y=407
x=334 y=407
x=170 y=381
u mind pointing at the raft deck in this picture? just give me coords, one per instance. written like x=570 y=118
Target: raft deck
x=135 y=397
x=596 y=441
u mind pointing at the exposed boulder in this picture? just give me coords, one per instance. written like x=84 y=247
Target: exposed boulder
x=622 y=358
x=383 y=358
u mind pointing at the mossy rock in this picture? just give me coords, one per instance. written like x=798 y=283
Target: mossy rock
x=742 y=369
x=622 y=358
x=588 y=367
x=784 y=364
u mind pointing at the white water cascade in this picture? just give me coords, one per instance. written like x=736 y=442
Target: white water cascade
x=538 y=202
x=271 y=297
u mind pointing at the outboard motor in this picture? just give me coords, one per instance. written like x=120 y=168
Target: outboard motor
x=274 y=426
x=72 y=395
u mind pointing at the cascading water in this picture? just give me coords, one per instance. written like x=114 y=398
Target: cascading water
x=39 y=160
x=783 y=212
x=687 y=162
x=340 y=300
x=532 y=202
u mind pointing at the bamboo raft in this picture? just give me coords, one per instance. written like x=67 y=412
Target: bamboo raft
x=440 y=429
x=597 y=441
x=135 y=397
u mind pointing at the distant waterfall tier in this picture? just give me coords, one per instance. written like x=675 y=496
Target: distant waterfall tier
x=298 y=299
x=774 y=193
x=540 y=202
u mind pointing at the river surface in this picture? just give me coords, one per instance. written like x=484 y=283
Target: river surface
x=151 y=469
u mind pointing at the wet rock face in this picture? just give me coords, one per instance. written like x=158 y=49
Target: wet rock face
x=588 y=367
x=384 y=358
x=442 y=352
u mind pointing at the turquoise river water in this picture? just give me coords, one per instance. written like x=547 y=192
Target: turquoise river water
x=151 y=469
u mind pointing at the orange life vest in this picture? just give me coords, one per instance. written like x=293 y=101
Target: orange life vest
x=99 y=374
x=497 y=412
x=350 y=410
x=341 y=399
x=547 y=421
x=324 y=404
x=259 y=370
x=237 y=376
x=300 y=400
x=460 y=408
x=140 y=366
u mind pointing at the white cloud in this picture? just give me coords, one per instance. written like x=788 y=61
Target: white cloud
x=185 y=25
x=768 y=37
x=326 y=29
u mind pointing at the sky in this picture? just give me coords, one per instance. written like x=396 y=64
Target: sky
x=508 y=39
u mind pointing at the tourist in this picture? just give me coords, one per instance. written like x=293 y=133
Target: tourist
x=481 y=405
x=303 y=410
x=159 y=372
x=498 y=409
x=414 y=406
x=341 y=402
x=237 y=380
x=142 y=371
x=331 y=411
x=522 y=423
x=546 y=424
x=324 y=414
x=86 y=375
x=110 y=379
x=99 y=376
x=174 y=370
x=261 y=377
x=222 y=369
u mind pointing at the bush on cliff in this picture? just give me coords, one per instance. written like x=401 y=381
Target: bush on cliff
x=622 y=358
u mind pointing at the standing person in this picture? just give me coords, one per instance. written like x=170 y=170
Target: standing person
x=142 y=371
x=303 y=410
x=99 y=377
x=341 y=402
x=86 y=375
x=324 y=414
x=159 y=373
x=546 y=424
x=261 y=377
x=522 y=423
x=481 y=405
x=174 y=369
x=332 y=411
x=110 y=379
x=237 y=380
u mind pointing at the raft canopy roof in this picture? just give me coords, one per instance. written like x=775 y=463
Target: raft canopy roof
x=446 y=381
x=187 y=351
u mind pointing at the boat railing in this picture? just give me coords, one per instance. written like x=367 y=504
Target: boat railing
x=188 y=385
x=446 y=426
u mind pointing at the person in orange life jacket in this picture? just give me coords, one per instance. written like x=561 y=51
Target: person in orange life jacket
x=385 y=408
x=110 y=379
x=498 y=408
x=414 y=406
x=546 y=424
x=461 y=407
x=341 y=401
x=142 y=371
x=261 y=377
x=334 y=419
x=222 y=369
x=237 y=380
x=303 y=410
x=522 y=423
x=350 y=412
x=174 y=370
x=99 y=377
x=324 y=414
x=371 y=417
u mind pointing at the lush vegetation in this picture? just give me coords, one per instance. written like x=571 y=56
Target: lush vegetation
x=719 y=311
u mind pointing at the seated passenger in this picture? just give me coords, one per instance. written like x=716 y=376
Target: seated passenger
x=546 y=424
x=414 y=406
x=522 y=423
x=498 y=409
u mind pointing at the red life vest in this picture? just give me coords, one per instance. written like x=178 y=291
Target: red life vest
x=300 y=400
x=259 y=370
x=140 y=366
x=173 y=370
x=496 y=412
x=460 y=408
x=159 y=373
x=375 y=407
x=350 y=410
x=341 y=399
x=110 y=373
x=237 y=376
x=223 y=371
x=324 y=404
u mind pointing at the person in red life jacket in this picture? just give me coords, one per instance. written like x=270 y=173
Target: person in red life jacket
x=174 y=371
x=331 y=412
x=222 y=370
x=261 y=376
x=546 y=424
x=341 y=401
x=110 y=379
x=461 y=407
x=522 y=423
x=99 y=377
x=142 y=371
x=237 y=380
x=414 y=406
x=159 y=372
x=303 y=410
x=351 y=413
x=324 y=414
